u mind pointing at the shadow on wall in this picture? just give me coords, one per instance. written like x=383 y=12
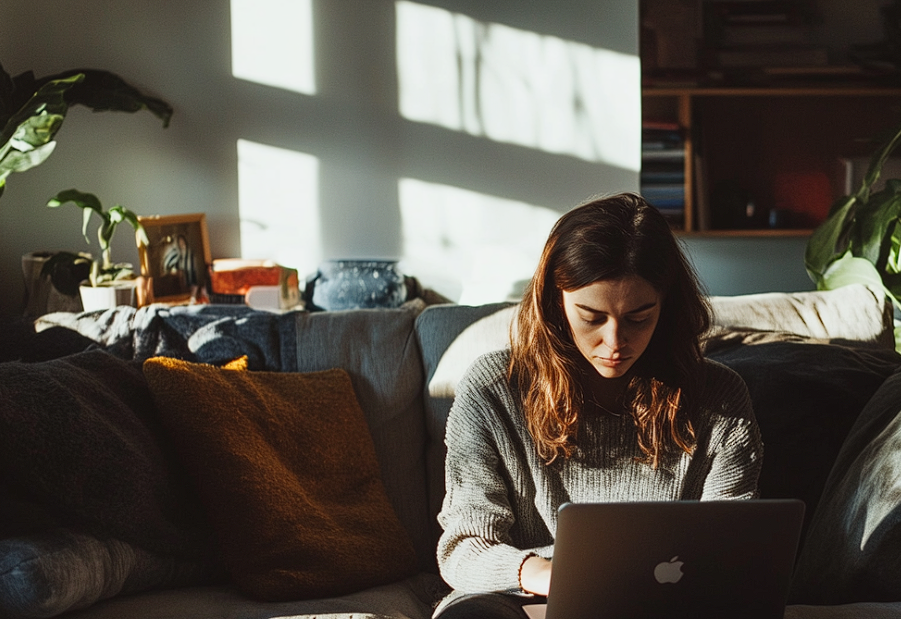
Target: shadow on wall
x=366 y=129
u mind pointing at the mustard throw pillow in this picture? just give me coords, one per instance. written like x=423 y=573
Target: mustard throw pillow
x=286 y=469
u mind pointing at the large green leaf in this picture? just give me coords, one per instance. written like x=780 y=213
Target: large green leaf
x=17 y=161
x=876 y=221
x=893 y=259
x=851 y=270
x=830 y=239
x=103 y=91
x=48 y=104
x=877 y=161
x=81 y=199
x=88 y=202
x=32 y=110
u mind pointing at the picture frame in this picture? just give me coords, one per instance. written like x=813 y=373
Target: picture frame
x=177 y=259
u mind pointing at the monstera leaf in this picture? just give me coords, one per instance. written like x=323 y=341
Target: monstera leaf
x=32 y=111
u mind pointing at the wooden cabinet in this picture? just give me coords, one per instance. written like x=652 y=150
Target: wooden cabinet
x=770 y=160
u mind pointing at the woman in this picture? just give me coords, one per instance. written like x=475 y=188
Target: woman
x=603 y=396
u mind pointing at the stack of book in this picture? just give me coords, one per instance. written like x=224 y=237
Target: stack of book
x=760 y=34
x=233 y=279
x=662 y=179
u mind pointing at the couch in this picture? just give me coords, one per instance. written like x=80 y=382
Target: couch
x=206 y=462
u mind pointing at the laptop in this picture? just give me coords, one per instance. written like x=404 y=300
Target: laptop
x=691 y=559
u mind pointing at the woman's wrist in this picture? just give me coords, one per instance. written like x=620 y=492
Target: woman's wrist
x=535 y=575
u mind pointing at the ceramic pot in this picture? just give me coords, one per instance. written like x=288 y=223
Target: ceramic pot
x=357 y=284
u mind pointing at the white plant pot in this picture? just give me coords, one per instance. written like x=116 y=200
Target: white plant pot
x=95 y=298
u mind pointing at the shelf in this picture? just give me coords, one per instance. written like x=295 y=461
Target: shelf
x=782 y=147
x=772 y=91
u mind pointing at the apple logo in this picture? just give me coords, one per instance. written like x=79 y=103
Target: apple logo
x=669 y=571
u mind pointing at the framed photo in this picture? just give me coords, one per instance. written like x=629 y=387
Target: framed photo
x=177 y=257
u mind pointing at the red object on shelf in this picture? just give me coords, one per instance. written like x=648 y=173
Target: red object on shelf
x=808 y=195
x=236 y=276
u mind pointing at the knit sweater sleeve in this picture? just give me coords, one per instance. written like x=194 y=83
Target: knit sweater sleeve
x=475 y=551
x=736 y=445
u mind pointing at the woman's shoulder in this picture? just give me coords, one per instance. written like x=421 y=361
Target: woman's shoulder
x=723 y=390
x=490 y=365
x=716 y=371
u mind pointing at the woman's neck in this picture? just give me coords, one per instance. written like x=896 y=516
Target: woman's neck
x=605 y=394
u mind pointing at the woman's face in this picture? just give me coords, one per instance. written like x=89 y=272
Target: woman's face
x=612 y=322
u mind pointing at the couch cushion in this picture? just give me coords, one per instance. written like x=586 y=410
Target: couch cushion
x=853 y=550
x=378 y=350
x=286 y=468
x=413 y=598
x=853 y=313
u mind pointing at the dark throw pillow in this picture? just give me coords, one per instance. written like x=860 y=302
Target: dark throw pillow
x=92 y=501
x=806 y=397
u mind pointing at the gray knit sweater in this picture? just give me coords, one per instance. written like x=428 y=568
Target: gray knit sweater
x=501 y=500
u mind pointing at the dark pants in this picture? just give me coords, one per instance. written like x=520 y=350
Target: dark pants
x=485 y=606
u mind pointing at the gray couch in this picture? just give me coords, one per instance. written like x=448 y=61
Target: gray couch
x=76 y=529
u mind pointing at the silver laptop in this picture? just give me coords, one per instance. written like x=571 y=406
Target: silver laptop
x=691 y=559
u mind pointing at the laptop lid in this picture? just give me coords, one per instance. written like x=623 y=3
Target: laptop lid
x=703 y=560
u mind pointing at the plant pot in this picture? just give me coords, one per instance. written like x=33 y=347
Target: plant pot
x=355 y=284
x=104 y=297
x=41 y=297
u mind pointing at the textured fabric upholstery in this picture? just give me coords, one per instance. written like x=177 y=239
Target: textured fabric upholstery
x=377 y=349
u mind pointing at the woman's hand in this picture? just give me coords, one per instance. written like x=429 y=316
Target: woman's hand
x=535 y=575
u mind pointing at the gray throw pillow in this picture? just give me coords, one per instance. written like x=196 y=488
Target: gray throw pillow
x=853 y=549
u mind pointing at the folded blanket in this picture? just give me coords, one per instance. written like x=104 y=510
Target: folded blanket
x=211 y=334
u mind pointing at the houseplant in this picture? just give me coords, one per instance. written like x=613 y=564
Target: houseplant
x=104 y=275
x=860 y=240
x=32 y=111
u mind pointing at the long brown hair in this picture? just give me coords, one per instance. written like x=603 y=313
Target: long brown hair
x=610 y=238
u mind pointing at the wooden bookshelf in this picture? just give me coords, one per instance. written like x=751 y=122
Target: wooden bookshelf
x=777 y=147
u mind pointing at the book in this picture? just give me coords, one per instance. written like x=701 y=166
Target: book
x=234 y=277
x=674 y=176
x=668 y=154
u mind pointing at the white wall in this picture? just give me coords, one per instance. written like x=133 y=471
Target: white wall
x=181 y=51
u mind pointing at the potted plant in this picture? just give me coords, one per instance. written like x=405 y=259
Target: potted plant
x=32 y=111
x=860 y=240
x=108 y=283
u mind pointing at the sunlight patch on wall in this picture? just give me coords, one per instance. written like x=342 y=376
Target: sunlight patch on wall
x=518 y=87
x=471 y=247
x=272 y=43
x=278 y=193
